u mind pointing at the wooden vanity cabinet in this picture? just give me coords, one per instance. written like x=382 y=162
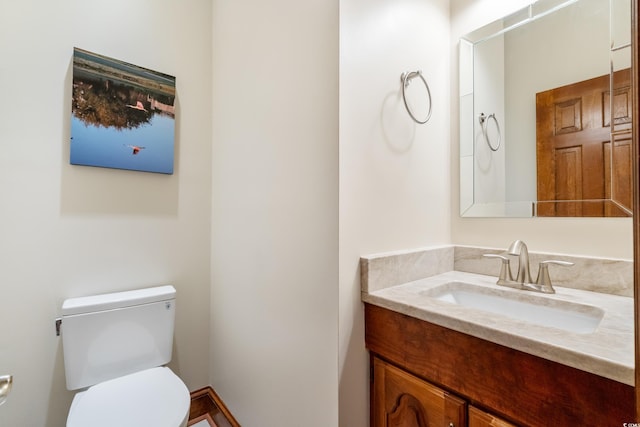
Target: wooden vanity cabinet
x=403 y=400
x=421 y=369
x=480 y=418
x=400 y=399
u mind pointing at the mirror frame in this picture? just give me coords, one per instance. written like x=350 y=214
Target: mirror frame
x=469 y=207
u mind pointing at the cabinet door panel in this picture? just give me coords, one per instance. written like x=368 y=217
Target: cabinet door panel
x=479 y=418
x=402 y=400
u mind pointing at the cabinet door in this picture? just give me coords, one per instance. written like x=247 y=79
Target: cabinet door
x=479 y=418
x=402 y=400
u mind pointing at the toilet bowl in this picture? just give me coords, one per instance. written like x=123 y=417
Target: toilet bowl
x=115 y=347
x=153 y=397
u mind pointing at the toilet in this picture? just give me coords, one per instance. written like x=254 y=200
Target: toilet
x=115 y=347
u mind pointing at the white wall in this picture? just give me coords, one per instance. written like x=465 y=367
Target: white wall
x=274 y=298
x=394 y=185
x=607 y=237
x=71 y=230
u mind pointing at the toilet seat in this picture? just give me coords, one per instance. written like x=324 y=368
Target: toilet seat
x=153 y=397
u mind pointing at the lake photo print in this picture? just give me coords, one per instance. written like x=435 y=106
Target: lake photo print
x=122 y=115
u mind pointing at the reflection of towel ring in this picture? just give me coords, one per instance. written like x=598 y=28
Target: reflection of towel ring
x=406 y=79
x=483 y=124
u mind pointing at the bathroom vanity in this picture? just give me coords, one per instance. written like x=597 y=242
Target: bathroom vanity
x=421 y=369
x=437 y=362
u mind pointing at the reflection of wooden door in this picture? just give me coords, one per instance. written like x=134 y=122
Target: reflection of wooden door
x=576 y=160
x=402 y=400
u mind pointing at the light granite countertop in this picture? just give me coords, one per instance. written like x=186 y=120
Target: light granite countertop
x=608 y=351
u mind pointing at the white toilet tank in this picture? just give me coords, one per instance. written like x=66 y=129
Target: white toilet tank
x=111 y=335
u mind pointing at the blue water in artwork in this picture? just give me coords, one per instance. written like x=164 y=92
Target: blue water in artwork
x=148 y=148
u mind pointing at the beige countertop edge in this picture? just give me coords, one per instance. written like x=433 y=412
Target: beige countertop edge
x=589 y=352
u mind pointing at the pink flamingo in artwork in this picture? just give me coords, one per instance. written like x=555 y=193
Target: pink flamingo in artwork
x=136 y=149
x=138 y=106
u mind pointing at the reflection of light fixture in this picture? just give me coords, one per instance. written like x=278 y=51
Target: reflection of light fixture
x=5 y=387
x=532 y=16
x=553 y=9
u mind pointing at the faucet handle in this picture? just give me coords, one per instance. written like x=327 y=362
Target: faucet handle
x=557 y=262
x=505 y=269
x=544 y=280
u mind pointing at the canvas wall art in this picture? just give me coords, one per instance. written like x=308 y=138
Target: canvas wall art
x=123 y=116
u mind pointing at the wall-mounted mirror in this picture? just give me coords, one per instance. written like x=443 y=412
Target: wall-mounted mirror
x=538 y=89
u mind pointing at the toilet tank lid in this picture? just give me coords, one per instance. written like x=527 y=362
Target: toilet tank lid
x=114 y=300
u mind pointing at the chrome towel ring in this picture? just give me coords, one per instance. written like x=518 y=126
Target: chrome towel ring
x=484 y=120
x=406 y=78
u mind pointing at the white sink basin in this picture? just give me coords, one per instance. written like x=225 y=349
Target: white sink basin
x=521 y=305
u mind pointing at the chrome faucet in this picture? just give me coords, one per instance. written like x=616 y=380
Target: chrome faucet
x=523 y=278
x=519 y=248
